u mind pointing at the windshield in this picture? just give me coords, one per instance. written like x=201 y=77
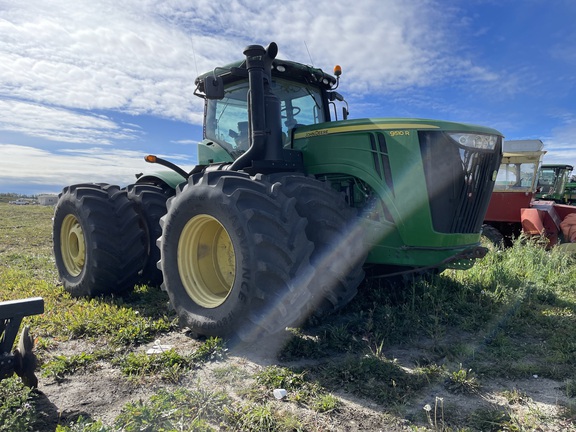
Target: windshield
x=227 y=118
x=552 y=180
x=517 y=177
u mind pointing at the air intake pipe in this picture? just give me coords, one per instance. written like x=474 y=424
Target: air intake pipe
x=264 y=117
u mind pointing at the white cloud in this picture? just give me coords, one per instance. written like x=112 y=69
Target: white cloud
x=560 y=145
x=105 y=165
x=94 y=55
x=142 y=56
x=61 y=58
x=62 y=125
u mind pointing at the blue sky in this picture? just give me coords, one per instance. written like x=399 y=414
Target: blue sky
x=88 y=87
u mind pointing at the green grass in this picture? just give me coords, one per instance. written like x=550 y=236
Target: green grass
x=59 y=366
x=511 y=317
x=372 y=377
x=299 y=388
x=17 y=409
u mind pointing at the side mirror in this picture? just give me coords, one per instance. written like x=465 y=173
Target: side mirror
x=213 y=87
x=334 y=95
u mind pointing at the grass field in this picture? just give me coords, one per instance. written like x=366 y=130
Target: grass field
x=491 y=348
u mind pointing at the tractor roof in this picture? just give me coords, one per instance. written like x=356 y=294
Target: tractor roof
x=280 y=68
x=566 y=166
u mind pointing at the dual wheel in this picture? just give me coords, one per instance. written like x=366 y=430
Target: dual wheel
x=243 y=257
x=105 y=237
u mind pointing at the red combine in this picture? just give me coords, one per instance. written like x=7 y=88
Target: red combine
x=513 y=209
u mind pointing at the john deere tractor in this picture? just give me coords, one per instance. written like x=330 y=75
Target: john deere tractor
x=290 y=205
x=555 y=184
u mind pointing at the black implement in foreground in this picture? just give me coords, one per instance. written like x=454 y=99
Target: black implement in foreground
x=22 y=360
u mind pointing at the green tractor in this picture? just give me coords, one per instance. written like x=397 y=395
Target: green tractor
x=288 y=208
x=555 y=184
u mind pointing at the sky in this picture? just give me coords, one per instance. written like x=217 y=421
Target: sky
x=89 y=87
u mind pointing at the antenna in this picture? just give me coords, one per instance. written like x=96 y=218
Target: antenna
x=194 y=55
x=311 y=61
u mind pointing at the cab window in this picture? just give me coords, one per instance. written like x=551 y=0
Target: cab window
x=227 y=119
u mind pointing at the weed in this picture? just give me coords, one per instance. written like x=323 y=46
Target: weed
x=17 y=410
x=568 y=411
x=492 y=419
x=179 y=410
x=230 y=374
x=213 y=349
x=280 y=377
x=570 y=387
x=60 y=366
x=373 y=377
x=339 y=337
x=98 y=318
x=326 y=403
x=256 y=418
x=462 y=381
x=516 y=397
x=82 y=424
x=299 y=389
x=432 y=371
x=168 y=364
x=301 y=346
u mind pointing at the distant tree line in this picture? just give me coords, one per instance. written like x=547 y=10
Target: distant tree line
x=7 y=196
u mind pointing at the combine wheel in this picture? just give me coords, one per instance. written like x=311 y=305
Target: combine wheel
x=150 y=202
x=98 y=242
x=493 y=235
x=235 y=257
x=339 y=251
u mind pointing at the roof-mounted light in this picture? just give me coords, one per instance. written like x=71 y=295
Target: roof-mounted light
x=337 y=70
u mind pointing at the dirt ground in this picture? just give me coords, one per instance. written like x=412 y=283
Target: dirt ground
x=100 y=394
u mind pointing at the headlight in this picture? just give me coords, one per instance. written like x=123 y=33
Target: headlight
x=484 y=142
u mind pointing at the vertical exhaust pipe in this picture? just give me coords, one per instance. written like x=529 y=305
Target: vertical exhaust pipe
x=264 y=117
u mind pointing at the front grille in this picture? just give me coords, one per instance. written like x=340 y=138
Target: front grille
x=459 y=181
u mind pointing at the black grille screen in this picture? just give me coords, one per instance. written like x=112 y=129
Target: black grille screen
x=459 y=181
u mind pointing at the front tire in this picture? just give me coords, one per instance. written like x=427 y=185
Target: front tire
x=338 y=239
x=98 y=243
x=235 y=257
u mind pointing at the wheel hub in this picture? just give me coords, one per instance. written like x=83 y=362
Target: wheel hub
x=206 y=261
x=72 y=245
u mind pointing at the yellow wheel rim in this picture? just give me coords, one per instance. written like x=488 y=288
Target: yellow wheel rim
x=72 y=245
x=206 y=261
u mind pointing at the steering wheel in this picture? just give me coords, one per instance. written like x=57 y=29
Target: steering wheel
x=295 y=111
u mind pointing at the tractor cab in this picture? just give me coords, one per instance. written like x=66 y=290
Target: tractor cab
x=515 y=185
x=305 y=94
x=552 y=182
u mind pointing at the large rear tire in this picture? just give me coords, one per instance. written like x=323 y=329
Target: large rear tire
x=98 y=242
x=235 y=257
x=150 y=203
x=333 y=228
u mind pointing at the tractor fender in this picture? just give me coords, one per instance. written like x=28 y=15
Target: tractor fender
x=169 y=179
